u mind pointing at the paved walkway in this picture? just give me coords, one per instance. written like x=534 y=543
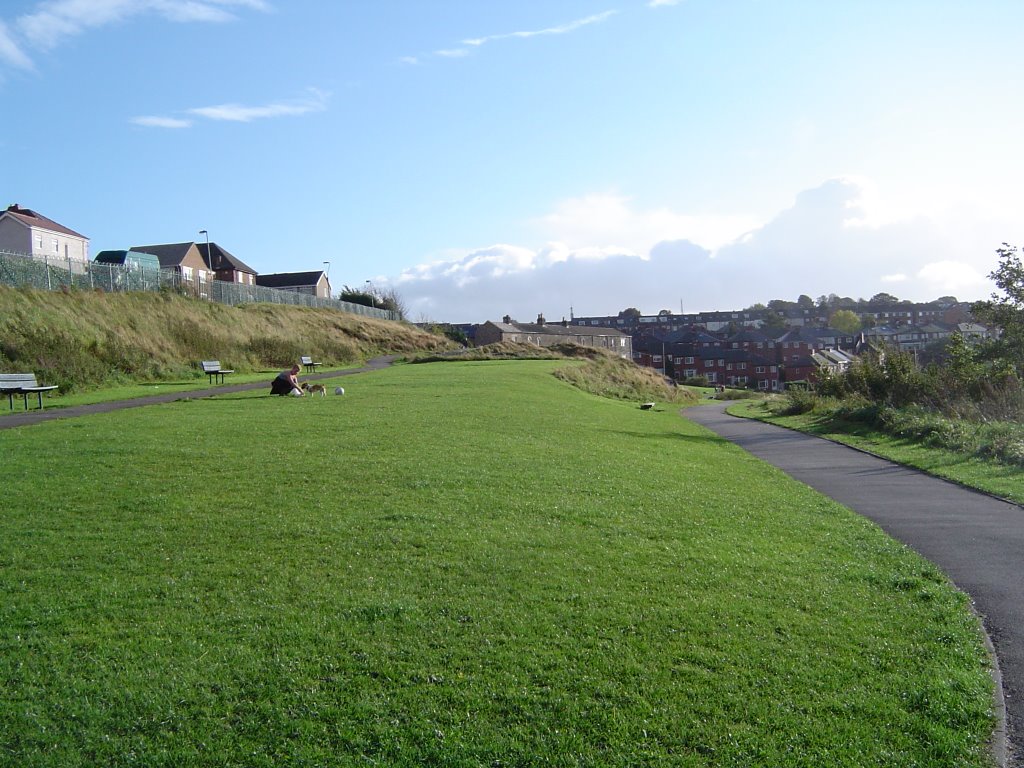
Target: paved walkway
x=977 y=540
x=22 y=418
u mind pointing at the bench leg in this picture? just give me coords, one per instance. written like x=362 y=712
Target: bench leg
x=40 y=395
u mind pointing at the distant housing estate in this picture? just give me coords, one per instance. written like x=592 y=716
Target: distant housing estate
x=545 y=334
x=738 y=349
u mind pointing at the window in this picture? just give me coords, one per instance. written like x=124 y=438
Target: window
x=712 y=377
x=741 y=366
x=56 y=245
x=689 y=360
x=759 y=369
x=728 y=367
x=39 y=242
x=690 y=373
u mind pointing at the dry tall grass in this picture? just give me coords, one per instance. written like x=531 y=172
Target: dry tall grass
x=83 y=339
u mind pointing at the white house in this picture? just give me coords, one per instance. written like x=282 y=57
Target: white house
x=29 y=233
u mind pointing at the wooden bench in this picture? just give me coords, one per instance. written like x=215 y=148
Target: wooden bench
x=307 y=361
x=23 y=384
x=212 y=369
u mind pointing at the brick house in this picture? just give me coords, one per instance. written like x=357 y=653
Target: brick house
x=184 y=258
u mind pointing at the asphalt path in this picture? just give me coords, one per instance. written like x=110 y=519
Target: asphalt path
x=23 y=418
x=977 y=540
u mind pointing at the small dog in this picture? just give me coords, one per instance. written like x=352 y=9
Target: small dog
x=314 y=389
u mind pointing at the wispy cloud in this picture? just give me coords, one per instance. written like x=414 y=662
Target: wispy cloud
x=563 y=29
x=54 y=21
x=659 y=3
x=10 y=51
x=153 y=121
x=452 y=53
x=315 y=101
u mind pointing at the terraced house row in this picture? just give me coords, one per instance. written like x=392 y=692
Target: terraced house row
x=749 y=358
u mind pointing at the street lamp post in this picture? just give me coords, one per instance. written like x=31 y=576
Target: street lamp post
x=209 y=254
x=327 y=274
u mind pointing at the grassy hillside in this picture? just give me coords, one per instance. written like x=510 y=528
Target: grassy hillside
x=85 y=339
x=459 y=564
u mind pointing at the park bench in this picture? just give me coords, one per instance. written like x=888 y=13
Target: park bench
x=212 y=369
x=307 y=361
x=23 y=384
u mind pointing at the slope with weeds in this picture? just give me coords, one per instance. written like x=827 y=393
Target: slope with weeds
x=85 y=339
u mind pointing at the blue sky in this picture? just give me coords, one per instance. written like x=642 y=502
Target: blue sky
x=492 y=158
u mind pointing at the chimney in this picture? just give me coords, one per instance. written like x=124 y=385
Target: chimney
x=506 y=319
x=540 y=319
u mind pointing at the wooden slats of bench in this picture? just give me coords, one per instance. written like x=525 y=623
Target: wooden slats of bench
x=23 y=384
x=212 y=369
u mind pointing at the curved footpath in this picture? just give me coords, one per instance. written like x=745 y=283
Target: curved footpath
x=22 y=418
x=977 y=540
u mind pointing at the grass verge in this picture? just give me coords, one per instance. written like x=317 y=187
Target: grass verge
x=1003 y=480
x=462 y=564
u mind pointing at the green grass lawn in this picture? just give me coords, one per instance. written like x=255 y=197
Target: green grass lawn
x=993 y=477
x=138 y=390
x=459 y=564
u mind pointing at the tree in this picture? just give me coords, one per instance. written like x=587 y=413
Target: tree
x=391 y=299
x=884 y=298
x=632 y=312
x=805 y=302
x=845 y=320
x=773 y=321
x=1005 y=311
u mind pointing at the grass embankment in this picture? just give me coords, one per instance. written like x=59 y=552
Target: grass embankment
x=84 y=340
x=597 y=371
x=465 y=564
x=970 y=466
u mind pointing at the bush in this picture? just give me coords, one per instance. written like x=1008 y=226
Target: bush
x=796 y=402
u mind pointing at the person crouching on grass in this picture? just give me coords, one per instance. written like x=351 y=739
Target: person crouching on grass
x=287 y=383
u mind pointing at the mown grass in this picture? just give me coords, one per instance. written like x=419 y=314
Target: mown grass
x=1001 y=479
x=459 y=565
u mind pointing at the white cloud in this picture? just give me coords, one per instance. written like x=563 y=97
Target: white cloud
x=954 y=278
x=411 y=60
x=54 y=21
x=605 y=254
x=154 y=121
x=612 y=218
x=10 y=51
x=452 y=53
x=315 y=102
x=559 y=30
x=660 y=3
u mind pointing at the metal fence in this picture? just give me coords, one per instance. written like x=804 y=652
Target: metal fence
x=18 y=270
